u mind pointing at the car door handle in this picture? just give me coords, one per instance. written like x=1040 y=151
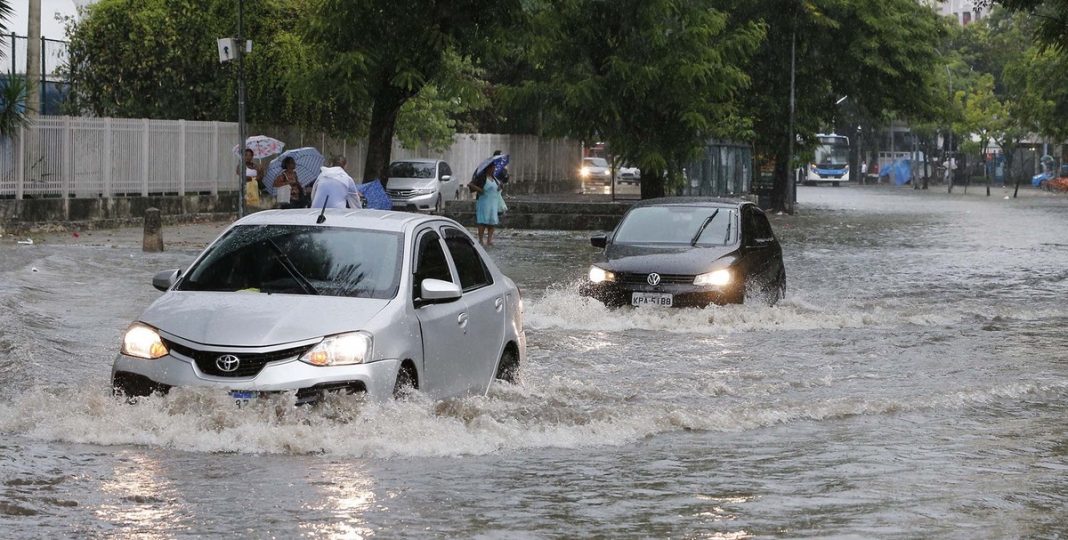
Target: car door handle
x=498 y=303
x=462 y=320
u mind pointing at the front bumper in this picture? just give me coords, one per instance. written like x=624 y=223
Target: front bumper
x=415 y=202
x=138 y=376
x=613 y=294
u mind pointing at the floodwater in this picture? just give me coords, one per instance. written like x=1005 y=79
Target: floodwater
x=913 y=384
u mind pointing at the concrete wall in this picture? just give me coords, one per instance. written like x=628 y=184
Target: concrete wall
x=27 y=214
x=548 y=215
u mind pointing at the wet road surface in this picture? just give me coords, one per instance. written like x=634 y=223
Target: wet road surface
x=913 y=384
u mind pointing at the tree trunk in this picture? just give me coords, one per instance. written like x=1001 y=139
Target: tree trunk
x=380 y=138
x=780 y=193
x=652 y=183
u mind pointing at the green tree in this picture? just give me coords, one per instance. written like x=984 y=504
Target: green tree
x=1051 y=16
x=654 y=79
x=880 y=54
x=158 y=59
x=373 y=56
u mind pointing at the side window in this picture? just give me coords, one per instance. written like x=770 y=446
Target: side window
x=445 y=170
x=763 y=228
x=749 y=227
x=430 y=262
x=473 y=272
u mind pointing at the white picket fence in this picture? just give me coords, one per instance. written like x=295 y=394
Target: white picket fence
x=65 y=156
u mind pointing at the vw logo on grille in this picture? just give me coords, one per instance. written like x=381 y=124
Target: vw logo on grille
x=228 y=363
x=653 y=279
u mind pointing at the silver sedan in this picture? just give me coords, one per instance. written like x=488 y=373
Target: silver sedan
x=365 y=301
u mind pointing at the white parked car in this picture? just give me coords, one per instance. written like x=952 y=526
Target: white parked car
x=629 y=175
x=421 y=185
x=365 y=301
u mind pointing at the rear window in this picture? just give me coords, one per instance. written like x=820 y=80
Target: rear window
x=299 y=259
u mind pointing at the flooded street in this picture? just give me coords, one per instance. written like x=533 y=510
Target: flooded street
x=914 y=383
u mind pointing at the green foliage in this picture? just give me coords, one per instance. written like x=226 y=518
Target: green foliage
x=1051 y=17
x=13 y=90
x=5 y=15
x=652 y=78
x=880 y=54
x=373 y=56
x=431 y=117
x=158 y=59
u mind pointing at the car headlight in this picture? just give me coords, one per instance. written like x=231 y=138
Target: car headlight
x=584 y=172
x=606 y=172
x=716 y=278
x=598 y=275
x=143 y=341
x=423 y=191
x=340 y=350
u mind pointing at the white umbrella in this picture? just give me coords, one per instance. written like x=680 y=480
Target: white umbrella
x=261 y=146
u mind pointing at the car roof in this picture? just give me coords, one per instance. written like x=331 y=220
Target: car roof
x=382 y=220
x=711 y=202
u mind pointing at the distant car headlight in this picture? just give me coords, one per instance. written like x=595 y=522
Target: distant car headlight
x=716 y=278
x=423 y=191
x=606 y=172
x=340 y=350
x=599 y=275
x=812 y=167
x=143 y=341
x=584 y=172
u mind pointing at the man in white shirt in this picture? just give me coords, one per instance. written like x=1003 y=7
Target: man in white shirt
x=334 y=188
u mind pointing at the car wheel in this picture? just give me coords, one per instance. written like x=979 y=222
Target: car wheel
x=438 y=205
x=407 y=382
x=836 y=184
x=508 y=367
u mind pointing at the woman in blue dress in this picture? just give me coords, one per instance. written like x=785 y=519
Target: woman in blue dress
x=487 y=193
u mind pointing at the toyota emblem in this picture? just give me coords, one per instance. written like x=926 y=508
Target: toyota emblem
x=653 y=279
x=228 y=363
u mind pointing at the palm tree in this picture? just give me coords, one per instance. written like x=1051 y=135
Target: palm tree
x=12 y=88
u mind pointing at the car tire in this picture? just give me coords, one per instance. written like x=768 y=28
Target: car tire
x=407 y=382
x=508 y=367
x=836 y=184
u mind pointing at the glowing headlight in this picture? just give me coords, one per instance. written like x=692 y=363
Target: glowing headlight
x=717 y=278
x=143 y=341
x=340 y=350
x=584 y=172
x=598 y=275
x=606 y=172
x=422 y=191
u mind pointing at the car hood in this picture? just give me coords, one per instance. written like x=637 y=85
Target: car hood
x=256 y=319
x=411 y=183
x=667 y=260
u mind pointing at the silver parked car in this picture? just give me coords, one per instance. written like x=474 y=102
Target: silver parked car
x=352 y=300
x=421 y=185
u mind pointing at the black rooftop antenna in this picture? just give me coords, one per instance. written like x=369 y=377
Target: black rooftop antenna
x=322 y=215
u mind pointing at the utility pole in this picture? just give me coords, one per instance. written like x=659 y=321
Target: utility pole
x=951 y=160
x=791 y=192
x=241 y=128
x=33 y=60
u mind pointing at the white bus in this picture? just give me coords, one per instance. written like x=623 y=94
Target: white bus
x=830 y=163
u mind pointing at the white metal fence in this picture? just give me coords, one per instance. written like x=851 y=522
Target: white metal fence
x=109 y=157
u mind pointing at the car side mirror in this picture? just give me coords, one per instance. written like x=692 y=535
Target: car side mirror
x=446 y=177
x=599 y=240
x=166 y=279
x=436 y=291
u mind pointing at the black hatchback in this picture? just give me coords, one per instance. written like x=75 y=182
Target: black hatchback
x=676 y=252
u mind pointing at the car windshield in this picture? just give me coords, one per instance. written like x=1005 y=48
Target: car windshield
x=300 y=259
x=695 y=225
x=411 y=169
x=595 y=162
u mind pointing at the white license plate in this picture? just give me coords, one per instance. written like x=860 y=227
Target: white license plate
x=243 y=397
x=651 y=299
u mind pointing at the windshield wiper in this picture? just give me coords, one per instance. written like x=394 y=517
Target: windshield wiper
x=703 y=227
x=293 y=272
x=727 y=237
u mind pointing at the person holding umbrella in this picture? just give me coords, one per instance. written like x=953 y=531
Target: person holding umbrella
x=289 y=178
x=253 y=174
x=487 y=192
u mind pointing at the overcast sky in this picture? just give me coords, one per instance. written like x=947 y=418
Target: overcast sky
x=50 y=28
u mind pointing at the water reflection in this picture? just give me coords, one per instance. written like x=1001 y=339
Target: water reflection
x=343 y=499
x=141 y=499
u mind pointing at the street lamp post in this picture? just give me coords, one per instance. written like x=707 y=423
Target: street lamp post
x=241 y=128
